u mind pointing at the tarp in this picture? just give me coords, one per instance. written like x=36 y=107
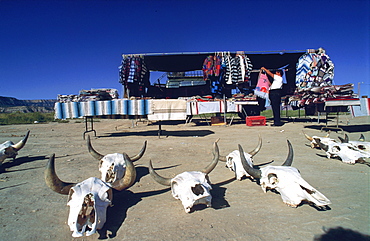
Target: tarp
x=182 y=62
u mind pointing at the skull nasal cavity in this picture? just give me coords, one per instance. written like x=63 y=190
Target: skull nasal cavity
x=197 y=190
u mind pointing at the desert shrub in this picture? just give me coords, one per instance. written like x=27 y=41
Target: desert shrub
x=25 y=118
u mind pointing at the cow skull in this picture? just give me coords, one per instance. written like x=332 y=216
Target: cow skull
x=314 y=143
x=191 y=188
x=361 y=144
x=112 y=166
x=287 y=181
x=10 y=150
x=88 y=200
x=234 y=163
x=345 y=151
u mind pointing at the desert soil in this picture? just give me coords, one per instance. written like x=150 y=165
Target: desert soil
x=147 y=211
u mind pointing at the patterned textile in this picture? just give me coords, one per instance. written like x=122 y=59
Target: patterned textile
x=211 y=66
x=321 y=94
x=240 y=68
x=263 y=86
x=226 y=65
x=134 y=74
x=303 y=67
x=314 y=69
x=167 y=110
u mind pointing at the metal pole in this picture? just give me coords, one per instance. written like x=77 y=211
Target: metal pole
x=358 y=89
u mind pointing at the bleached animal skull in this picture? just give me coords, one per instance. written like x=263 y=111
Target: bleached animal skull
x=234 y=163
x=361 y=144
x=191 y=188
x=112 y=166
x=345 y=151
x=314 y=143
x=287 y=181
x=88 y=200
x=10 y=150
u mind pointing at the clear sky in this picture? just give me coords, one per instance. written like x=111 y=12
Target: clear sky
x=56 y=47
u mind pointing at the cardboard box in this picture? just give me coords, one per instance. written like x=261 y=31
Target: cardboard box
x=217 y=121
x=255 y=120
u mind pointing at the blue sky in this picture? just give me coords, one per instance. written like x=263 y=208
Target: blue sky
x=56 y=47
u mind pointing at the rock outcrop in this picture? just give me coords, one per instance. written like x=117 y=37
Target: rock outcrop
x=10 y=105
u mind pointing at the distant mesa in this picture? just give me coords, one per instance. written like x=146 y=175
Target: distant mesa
x=10 y=105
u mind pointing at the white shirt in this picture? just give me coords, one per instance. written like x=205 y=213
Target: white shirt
x=277 y=83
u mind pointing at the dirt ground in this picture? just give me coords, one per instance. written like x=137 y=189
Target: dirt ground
x=147 y=211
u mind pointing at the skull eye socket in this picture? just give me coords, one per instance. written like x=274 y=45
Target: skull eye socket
x=336 y=148
x=197 y=189
x=273 y=178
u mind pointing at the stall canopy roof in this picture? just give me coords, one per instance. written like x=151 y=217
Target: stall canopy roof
x=182 y=62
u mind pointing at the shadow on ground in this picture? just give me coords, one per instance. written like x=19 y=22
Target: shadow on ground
x=346 y=128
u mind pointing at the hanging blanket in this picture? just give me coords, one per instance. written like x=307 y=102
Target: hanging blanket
x=263 y=86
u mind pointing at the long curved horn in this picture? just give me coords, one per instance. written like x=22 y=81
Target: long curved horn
x=308 y=137
x=52 y=179
x=92 y=151
x=129 y=178
x=140 y=154
x=222 y=158
x=258 y=148
x=161 y=180
x=21 y=143
x=322 y=145
x=345 y=139
x=289 y=160
x=256 y=173
x=213 y=164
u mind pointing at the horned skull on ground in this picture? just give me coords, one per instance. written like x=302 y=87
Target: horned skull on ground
x=89 y=199
x=344 y=151
x=192 y=187
x=10 y=150
x=314 y=143
x=234 y=163
x=112 y=166
x=287 y=181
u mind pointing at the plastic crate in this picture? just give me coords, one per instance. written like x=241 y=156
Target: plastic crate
x=255 y=120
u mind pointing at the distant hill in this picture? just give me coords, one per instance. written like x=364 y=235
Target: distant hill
x=10 y=105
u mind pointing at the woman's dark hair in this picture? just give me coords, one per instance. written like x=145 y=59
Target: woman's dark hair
x=279 y=71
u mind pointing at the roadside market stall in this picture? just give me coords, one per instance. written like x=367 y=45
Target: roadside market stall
x=209 y=82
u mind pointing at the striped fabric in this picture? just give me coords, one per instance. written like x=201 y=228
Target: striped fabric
x=103 y=107
x=155 y=109
x=119 y=107
x=87 y=108
x=303 y=66
x=138 y=107
x=58 y=114
x=70 y=110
